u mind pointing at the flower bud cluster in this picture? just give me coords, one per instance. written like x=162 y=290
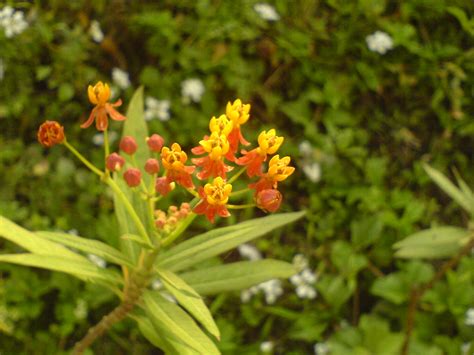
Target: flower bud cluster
x=167 y=221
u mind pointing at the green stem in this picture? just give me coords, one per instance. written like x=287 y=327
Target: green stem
x=179 y=230
x=86 y=162
x=240 y=192
x=236 y=175
x=192 y=192
x=106 y=146
x=130 y=209
x=240 y=207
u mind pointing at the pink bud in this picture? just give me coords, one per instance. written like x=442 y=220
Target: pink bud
x=152 y=166
x=128 y=145
x=132 y=177
x=155 y=142
x=114 y=162
x=163 y=186
x=160 y=223
x=269 y=200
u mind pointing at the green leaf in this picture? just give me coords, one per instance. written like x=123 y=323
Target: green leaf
x=434 y=243
x=190 y=300
x=348 y=262
x=176 y=324
x=88 y=246
x=464 y=200
x=81 y=269
x=33 y=243
x=217 y=241
x=136 y=127
x=149 y=332
x=391 y=287
x=237 y=276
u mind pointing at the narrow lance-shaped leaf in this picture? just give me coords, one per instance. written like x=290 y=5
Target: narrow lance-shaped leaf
x=448 y=187
x=88 y=246
x=134 y=126
x=434 y=243
x=237 y=276
x=176 y=324
x=189 y=300
x=217 y=241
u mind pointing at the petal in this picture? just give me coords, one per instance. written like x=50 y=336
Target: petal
x=117 y=103
x=90 y=119
x=114 y=114
x=101 y=121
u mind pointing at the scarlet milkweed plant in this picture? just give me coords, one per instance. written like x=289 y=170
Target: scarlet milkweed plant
x=140 y=174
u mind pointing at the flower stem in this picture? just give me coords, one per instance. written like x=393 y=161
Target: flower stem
x=106 y=146
x=240 y=192
x=236 y=175
x=192 y=192
x=179 y=230
x=86 y=162
x=240 y=207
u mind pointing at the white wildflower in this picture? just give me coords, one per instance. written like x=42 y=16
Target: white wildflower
x=306 y=291
x=304 y=280
x=96 y=32
x=305 y=148
x=98 y=138
x=249 y=252
x=156 y=284
x=157 y=109
x=469 y=317
x=192 y=90
x=120 y=78
x=267 y=346
x=321 y=349
x=272 y=290
x=97 y=260
x=300 y=261
x=465 y=348
x=80 y=311
x=379 y=42
x=308 y=276
x=13 y=22
x=266 y=12
x=312 y=171
x=73 y=232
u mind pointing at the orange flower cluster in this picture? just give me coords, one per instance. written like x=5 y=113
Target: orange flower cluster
x=217 y=150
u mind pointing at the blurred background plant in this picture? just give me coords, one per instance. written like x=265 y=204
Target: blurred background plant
x=365 y=91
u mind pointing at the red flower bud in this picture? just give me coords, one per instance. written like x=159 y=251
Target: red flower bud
x=114 y=162
x=50 y=133
x=132 y=177
x=160 y=223
x=155 y=143
x=269 y=200
x=128 y=145
x=152 y=166
x=163 y=186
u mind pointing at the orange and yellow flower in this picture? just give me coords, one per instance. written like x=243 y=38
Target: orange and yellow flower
x=214 y=196
x=217 y=146
x=99 y=95
x=278 y=170
x=238 y=114
x=50 y=133
x=268 y=143
x=173 y=161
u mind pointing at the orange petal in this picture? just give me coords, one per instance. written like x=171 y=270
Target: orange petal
x=90 y=119
x=114 y=114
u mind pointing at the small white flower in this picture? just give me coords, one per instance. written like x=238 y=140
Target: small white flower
x=266 y=12
x=321 y=349
x=73 y=232
x=379 y=42
x=13 y=22
x=465 y=348
x=306 y=291
x=98 y=138
x=305 y=148
x=272 y=290
x=267 y=346
x=249 y=252
x=80 y=311
x=97 y=260
x=312 y=171
x=156 y=284
x=308 y=276
x=120 y=78
x=300 y=261
x=157 y=109
x=96 y=32
x=469 y=317
x=192 y=90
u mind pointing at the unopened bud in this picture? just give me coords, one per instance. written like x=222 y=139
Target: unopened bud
x=128 y=145
x=132 y=177
x=183 y=213
x=269 y=200
x=155 y=143
x=114 y=162
x=172 y=220
x=50 y=133
x=172 y=209
x=152 y=166
x=160 y=223
x=185 y=206
x=163 y=186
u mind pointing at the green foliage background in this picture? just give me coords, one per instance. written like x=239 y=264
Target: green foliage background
x=372 y=120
